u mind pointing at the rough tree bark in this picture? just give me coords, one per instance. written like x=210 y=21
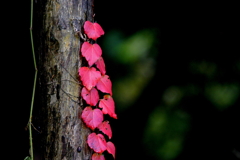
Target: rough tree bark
x=57 y=46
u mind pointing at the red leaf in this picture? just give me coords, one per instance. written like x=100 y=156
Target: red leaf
x=104 y=84
x=111 y=148
x=97 y=142
x=91 y=97
x=105 y=128
x=101 y=65
x=97 y=156
x=91 y=52
x=93 y=30
x=89 y=76
x=108 y=106
x=92 y=117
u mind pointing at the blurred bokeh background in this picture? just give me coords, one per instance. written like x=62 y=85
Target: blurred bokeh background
x=175 y=70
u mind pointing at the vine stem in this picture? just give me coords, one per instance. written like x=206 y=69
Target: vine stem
x=34 y=85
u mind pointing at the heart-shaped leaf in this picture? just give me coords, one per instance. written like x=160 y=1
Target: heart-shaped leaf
x=97 y=156
x=93 y=30
x=104 y=84
x=108 y=106
x=89 y=76
x=97 y=142
x=91 y=52
x=101 y=65
x=111 y=148
x=91 y=97
x=92 y=117
x=105 y=128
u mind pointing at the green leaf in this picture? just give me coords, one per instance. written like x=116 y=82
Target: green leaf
x=27 y=158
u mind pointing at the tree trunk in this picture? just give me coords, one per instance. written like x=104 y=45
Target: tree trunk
x=59 y=23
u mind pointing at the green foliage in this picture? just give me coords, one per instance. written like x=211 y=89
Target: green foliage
x=222 y=95
x=131 y=49
x=27 y=158
x=138 y=64
x=165 y=132
x=138 y=54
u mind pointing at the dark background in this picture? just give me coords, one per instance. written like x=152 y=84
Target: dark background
x=187 y=35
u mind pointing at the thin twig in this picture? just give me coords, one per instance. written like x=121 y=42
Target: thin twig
x=36 y=129
x=34 y=85
x=69 y=95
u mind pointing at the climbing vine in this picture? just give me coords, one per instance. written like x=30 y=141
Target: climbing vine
x=96 y=92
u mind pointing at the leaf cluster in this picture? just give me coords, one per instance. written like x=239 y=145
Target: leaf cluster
x=97 y=94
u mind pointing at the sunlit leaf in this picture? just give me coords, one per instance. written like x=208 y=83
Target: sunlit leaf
x=104 y=84
x=93 y=30
x=101 y=65
x=91 y=97
x=108 y=106
x=97 y=142
x=97 y=156
x=89 y=76
x=111 y=148
x=92 y=117
x=105 y=128
x=91 y=52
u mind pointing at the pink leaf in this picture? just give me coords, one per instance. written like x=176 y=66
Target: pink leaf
x=101 y=65
x=93 y=30
x=105 y=128
x=97 y=142
x=97 y=156
x=104 y=84
x=91 y=97
x=108 y=106
x=89 y=76
x=91 y=52
x=111 y=148
x=92 y=117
